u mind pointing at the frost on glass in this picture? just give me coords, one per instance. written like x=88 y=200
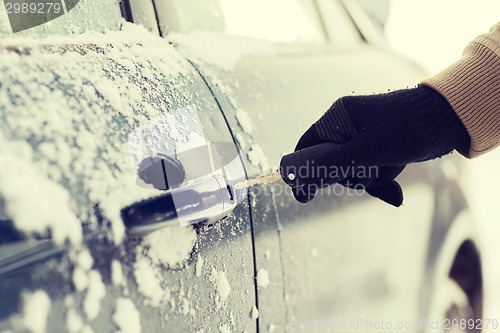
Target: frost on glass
x=66 y=18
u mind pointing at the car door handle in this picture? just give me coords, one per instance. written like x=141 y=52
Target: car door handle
x=206 y=199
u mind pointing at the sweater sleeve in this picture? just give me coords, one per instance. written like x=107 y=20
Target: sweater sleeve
x=472 y=87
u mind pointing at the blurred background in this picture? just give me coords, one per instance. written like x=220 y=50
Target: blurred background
x=434 y=33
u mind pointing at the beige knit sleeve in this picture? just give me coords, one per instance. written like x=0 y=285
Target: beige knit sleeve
x=472 y=87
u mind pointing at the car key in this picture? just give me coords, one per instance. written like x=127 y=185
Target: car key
x=292 y=166
x=295 y=167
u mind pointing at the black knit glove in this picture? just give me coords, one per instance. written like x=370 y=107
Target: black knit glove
x=384 y=133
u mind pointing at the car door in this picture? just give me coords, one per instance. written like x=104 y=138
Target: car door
x=274 y=70
x=71 y=108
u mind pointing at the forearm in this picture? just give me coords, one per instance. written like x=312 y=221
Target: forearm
x=472 y=87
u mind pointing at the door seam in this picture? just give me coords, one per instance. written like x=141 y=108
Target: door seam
x=250 y=215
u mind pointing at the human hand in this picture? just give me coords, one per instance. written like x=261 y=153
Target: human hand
x=378 y=136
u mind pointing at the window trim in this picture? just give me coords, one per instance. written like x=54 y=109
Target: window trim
x=363 y=23
x=141 y=12
x=325 y=10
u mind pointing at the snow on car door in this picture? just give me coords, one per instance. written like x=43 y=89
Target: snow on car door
x=69 y=108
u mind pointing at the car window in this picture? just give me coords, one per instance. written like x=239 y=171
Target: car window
x=280 y=21
x=84 y=16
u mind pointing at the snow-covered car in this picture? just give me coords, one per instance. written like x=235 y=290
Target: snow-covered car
x=95 y=109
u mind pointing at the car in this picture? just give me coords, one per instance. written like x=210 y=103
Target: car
x=128 y=132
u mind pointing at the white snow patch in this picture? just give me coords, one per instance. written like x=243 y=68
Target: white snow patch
x=117 y=273
x=254 y=313
x=220 y=49
x=83 y=264
x=31 y=199
x=271 y=328
x=262 y=278
x=95 y=293
x=199 y=265
x=85 y=260
x=126 y=316
x=257 y=157
x=80 y=279
x=170 y=246
x=222 y=287
x=244 y=121
x=314 y=253
x=74 y=323
x=36 y=308
x=148 y=282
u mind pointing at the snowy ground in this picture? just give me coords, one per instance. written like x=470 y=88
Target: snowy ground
x=449 y=26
